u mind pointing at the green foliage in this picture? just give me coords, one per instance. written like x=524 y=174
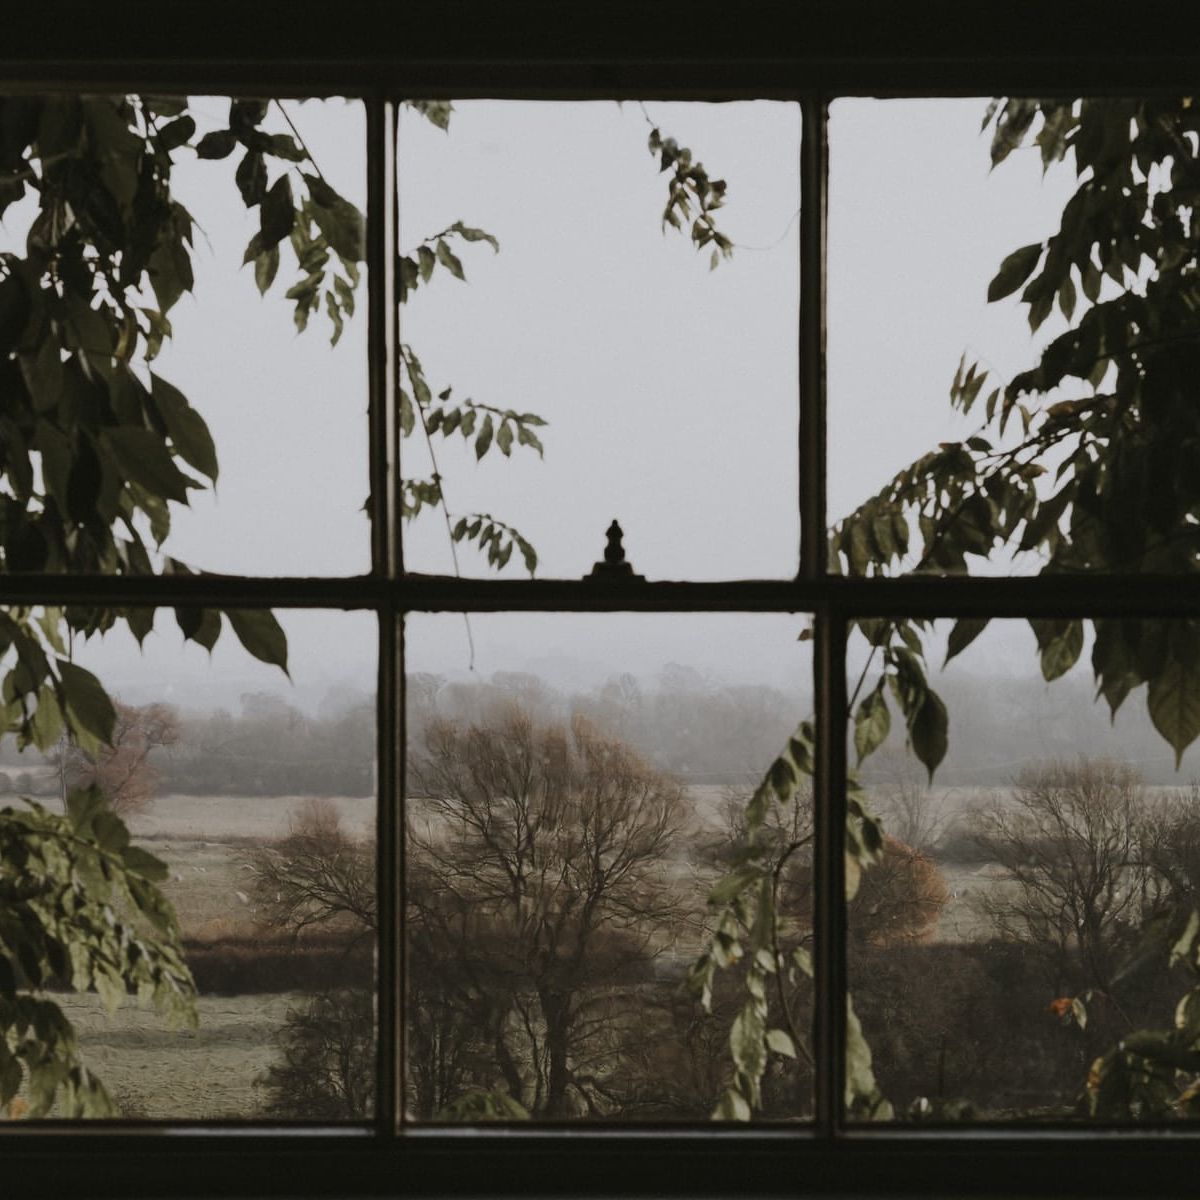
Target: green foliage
x=478 y=1104
x=499 y=539
x=79 y=905
x=436 y=112
x=691 y=196
x=1124 y=439
x=1124 y=442
x=1151 y=1074
x=480 y=424
x=434 y=251
x=748 y=924
x=94 y=450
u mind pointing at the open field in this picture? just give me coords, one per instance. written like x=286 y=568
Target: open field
x=157 y=1072
x=241 y=818
x=214 y=1072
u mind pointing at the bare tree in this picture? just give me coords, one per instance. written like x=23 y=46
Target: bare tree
x=122 y=770
x=1171 y=844
x=540 y=860
x=906 y=803
x=326 y=1071
x=899 y=900
x=1069 y=838
x=318 y=876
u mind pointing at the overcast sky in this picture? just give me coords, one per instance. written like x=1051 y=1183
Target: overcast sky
x=669 y=390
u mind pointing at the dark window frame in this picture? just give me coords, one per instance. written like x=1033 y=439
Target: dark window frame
x=530 y=49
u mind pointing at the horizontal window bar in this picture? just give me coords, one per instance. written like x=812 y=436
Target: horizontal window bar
x=454 y=40
x=703 y=1164
x=916 y=595
x=780 y=79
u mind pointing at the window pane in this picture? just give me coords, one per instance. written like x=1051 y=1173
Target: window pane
x=1019 y=923
x=669 y=390
x=258 y=795
x=276 y=483
x=571 y=804
x=911 y=270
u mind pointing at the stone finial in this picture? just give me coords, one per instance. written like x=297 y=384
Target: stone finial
x=614 y=565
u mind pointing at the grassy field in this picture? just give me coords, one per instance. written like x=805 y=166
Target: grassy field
x=214 y=1072
x=154 y=1071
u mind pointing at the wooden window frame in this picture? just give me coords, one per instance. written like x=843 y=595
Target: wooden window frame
x=531 y=49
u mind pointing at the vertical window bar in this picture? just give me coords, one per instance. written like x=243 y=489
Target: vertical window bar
x=381 y=332
x=381 y=199
x=814 y=161
x=829 y=901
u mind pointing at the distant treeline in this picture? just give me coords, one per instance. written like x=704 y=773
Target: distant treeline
x=682 y=722
x=700 y=729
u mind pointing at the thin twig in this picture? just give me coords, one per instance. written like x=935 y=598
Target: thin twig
x=437 y=476
x=299 y=138
x=797 y=1040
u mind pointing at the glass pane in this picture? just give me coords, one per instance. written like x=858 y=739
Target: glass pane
x=932 y=343
x=669 y=391
x=1012 y=948
x=258 y=795
x=247 y=413
x=572 y=803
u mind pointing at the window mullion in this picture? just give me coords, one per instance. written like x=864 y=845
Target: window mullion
x=814 y=160
x=829 y=873
x=381 y=333
x=385 y=558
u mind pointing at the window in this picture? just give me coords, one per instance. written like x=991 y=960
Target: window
x=442 y=55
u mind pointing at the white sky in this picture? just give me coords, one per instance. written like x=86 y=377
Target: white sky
x=670 y=390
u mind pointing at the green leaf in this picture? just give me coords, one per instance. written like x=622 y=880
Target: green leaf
x=863 y=1097
x=142 y=862
x=1061 y=643
x=1174 y=703
x=142 y=457
x=484 y=440
x=140 y=622
x=251 y=178
x=338 y=219
x=437 y=112
x=930 y=732
x=266 y=267
x=1014 y=271
x=747 y=1044
x=178 y=132
x=88 y=703
x=783 y=779
x=219 y=144
x=84 y=805
x=734 y=884
x=475 y=235
x=284 y=146
x=963 y=633
x=199 y=625
x=449 y=260
x=261 y=634
x=1184 y=949
x=277 y=214
x=781 y=1043
x=1067 y=297
x=732 y=1107
x=872 y=723
x=186 y=427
